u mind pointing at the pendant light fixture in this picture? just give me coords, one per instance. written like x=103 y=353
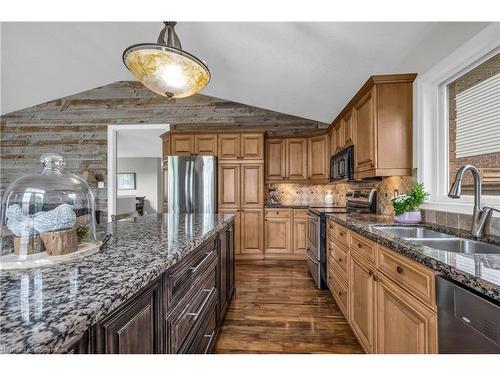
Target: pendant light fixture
x=166 y=69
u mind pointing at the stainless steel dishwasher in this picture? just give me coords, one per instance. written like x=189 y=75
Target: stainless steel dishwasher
x=467 y=323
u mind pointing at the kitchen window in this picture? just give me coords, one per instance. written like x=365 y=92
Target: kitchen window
x=457 y=122
x=474 y=125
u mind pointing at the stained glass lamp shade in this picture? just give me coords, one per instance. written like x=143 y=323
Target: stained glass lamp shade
x=165 y=68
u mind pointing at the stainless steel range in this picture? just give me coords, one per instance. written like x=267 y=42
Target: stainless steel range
x=362 y=201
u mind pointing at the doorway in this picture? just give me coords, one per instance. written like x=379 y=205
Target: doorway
x=135 y=178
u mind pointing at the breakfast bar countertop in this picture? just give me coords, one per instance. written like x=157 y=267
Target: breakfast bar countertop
x=479 y=272
x=47 y=309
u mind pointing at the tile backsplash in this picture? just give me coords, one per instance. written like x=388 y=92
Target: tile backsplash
x=461 y=221
x=314 y=194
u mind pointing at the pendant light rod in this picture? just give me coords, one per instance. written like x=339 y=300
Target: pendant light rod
x=168 y=36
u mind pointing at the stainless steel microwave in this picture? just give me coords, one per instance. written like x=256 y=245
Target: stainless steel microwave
x=342 y=165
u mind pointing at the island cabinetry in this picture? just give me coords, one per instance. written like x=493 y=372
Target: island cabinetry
x=179 y=312
x=135 y=327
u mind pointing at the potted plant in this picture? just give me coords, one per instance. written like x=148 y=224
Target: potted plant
x=406 y=207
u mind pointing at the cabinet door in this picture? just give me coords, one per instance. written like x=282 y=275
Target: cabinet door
x=275 y=159
x=252 y=231
x=278 y=235
x=362 y=302
x=299 y=236
x=318 y=157
x=134 y=328
x=229 y=186
x=296 y=157
x=252 y=186
x=333 y=145
x=339 y=135
x=348 y=128
x=229 y=146
x=252 y=146
x=182 y=144
x=236 y=230
x=365 y=132
x=205 y=144
x=404 y=325
x=223 y=272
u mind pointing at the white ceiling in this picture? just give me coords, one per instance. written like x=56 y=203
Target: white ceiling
x=309 y=70
x=139 y=143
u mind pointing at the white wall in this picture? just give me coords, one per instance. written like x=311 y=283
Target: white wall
x=147 y=182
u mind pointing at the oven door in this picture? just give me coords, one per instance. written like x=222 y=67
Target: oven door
x=313 y=247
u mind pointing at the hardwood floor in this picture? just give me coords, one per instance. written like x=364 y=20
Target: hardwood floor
x=278 y=309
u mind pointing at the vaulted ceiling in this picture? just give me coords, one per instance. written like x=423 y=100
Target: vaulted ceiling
x=309 y=70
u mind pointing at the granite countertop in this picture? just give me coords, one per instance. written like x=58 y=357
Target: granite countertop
x=480 y=272
x=47 y=309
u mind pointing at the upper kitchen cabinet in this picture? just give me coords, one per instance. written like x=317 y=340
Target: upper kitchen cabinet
x=241 y=146
x=382 y=121
x=165 y=139
x=202 y=144
x=205 y=144
x=318 y=157
x=296 y=159
x=348 y=128
x=275 y=159
x=286 y=159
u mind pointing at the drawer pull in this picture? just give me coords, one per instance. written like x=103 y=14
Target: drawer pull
x=340 y=293
x=205 y=301
x=375 y=278
x=341 y=233
x=399 y=269
x=210 y=337
x=197 y=267
x=370 y=272
x=359 y=246
x=340 y=260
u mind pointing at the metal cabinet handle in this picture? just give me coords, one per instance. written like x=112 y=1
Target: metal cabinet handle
x=399 y=269
x=195 y=268
x=211 y=337
x=205 y=301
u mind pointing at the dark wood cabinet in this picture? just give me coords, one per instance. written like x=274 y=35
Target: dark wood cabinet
x=134 y=328
x=179 y=312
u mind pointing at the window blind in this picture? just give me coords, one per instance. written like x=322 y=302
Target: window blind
x=478 y=119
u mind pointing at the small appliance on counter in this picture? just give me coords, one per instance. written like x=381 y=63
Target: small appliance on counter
x=361 y=201
x=47 y=218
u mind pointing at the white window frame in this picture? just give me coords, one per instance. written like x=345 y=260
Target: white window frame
x=430 y=142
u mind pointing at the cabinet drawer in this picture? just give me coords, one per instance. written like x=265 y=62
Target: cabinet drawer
x=340 y=293
x=339 y=259
x=190 y=311
x=300 y=212
x=341 y=234
x=364 y=247
x=204 y=339
x=417 y=279
x=277 y=212
x=330 y=229
x=183 y=276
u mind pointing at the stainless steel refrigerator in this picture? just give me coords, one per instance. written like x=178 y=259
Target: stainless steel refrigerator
x=192 y=184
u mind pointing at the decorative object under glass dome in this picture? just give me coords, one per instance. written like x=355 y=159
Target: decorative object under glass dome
x=47 y=217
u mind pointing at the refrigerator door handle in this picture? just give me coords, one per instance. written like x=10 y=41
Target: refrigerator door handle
x=191 y=186
x=187 y=185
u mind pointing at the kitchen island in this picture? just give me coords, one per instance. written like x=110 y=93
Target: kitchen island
x=159 y=285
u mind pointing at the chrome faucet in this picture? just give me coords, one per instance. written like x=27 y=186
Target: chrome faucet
x=480 y=215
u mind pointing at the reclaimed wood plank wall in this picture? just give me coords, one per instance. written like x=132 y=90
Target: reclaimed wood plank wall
x=75 y=126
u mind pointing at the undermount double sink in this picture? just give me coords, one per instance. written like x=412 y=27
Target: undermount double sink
x=439 y=240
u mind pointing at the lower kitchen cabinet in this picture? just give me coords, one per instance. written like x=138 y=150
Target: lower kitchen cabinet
x=404 y=325
x=388 y=299
x=179 y=312
x=299 y=231
x=278 y=235
x=362 y=302
x=134 y=327
x=252 y=235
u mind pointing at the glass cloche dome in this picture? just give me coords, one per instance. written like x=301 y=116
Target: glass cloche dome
x=47 y=217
